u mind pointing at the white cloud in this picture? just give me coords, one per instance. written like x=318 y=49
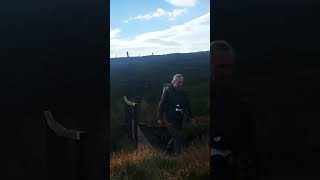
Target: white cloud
x=114 y=33
x=175 y=13
x=191 y=36
x=183 y=3
x=171 y=15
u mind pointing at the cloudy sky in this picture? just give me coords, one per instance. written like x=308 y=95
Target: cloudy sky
x=159 y=26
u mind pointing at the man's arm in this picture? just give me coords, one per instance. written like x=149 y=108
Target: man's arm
x=188 y=108
x=247 y=124
x=248 y=136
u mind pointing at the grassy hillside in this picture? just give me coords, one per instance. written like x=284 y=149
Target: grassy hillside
x=147 y=163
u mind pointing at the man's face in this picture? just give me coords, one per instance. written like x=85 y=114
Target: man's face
x=178 y=83
x=222 y=66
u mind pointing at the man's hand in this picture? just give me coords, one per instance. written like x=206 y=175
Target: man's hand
x=162 y=122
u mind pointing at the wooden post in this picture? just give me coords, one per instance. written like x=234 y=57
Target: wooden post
x=131 y=114
x=135 y=130
x=132 y=119
x=127 y=118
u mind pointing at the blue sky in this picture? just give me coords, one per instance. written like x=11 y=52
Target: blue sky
x=159 y=26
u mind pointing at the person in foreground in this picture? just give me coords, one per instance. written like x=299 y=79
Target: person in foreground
x=173 y=107
x=232 y=131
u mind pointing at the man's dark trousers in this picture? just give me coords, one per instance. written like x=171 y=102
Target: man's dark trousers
x=176 y=138
x=221 y=169
x=175 y=130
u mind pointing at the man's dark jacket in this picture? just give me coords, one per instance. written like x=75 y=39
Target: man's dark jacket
x=168 y=104
x=231 y=120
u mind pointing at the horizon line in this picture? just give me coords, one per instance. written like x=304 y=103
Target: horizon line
x=159 y=54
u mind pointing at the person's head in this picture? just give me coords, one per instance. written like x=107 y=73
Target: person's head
x=222 y=57
x=177 y=81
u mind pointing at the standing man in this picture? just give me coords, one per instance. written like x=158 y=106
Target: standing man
x=173 y=106
x=232 y=137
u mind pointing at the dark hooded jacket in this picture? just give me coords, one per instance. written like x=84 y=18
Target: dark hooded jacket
x=231 y=120
x=172 y=99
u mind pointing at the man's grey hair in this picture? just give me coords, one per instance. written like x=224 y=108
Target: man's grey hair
x=221 y=46
x=176 y=77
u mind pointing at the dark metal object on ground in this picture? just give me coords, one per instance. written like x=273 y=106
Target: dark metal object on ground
x=156 y=136
x=64 y=150
x=59 y=129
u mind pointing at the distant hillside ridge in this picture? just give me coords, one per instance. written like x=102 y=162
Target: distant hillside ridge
x=157 y=56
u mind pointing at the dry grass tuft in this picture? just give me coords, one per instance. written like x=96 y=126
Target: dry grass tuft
x=152 y=164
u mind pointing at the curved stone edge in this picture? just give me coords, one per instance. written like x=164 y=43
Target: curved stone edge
x=129 y=102
x=61 y=130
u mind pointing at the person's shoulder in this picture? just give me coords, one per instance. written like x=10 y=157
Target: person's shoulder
x=170 y=88
x=167 y=89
